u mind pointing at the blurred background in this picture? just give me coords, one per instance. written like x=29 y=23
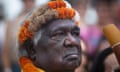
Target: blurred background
x=97 y=55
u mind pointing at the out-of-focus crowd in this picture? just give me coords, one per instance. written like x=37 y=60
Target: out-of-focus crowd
x=97 y=55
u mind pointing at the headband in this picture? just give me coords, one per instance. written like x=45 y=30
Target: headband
x=55 y=9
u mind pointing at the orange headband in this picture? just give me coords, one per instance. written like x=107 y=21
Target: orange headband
x=24 y=32
x=56 y=4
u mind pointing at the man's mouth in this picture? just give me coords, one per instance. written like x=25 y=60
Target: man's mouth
x=71 y=57
x=71 y=54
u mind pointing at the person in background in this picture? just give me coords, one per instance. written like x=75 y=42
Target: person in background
x=107 y=11
x=10 y=49
x=2 y=34
x=28 y=6
x=105 y=61
x=104 y=8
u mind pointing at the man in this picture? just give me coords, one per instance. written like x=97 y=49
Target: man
x=49 y=39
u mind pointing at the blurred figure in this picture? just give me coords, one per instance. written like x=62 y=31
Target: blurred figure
x=103 y=8
x=2 y=34
x=107 y=11
x=10 y=48
x=106 y=62
x=81 y=6
x=111 y=64
x=115 y=10
x=89 y=30
x=28 y=7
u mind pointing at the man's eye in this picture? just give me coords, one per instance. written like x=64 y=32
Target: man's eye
x=75 y=33
x=58 y=34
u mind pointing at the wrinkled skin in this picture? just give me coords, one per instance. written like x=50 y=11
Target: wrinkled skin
x=58 y=49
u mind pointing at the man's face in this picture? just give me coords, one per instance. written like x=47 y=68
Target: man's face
x=58 y=48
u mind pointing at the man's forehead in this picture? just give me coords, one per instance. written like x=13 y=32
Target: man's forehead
x=61 y=24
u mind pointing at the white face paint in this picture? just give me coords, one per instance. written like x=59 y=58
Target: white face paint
x=37 y=36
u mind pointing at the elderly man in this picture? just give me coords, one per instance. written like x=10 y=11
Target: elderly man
x=49 y=39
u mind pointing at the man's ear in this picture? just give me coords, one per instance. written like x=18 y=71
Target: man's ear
x=29 y=46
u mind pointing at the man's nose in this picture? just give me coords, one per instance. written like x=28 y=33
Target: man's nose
x=70 y=41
